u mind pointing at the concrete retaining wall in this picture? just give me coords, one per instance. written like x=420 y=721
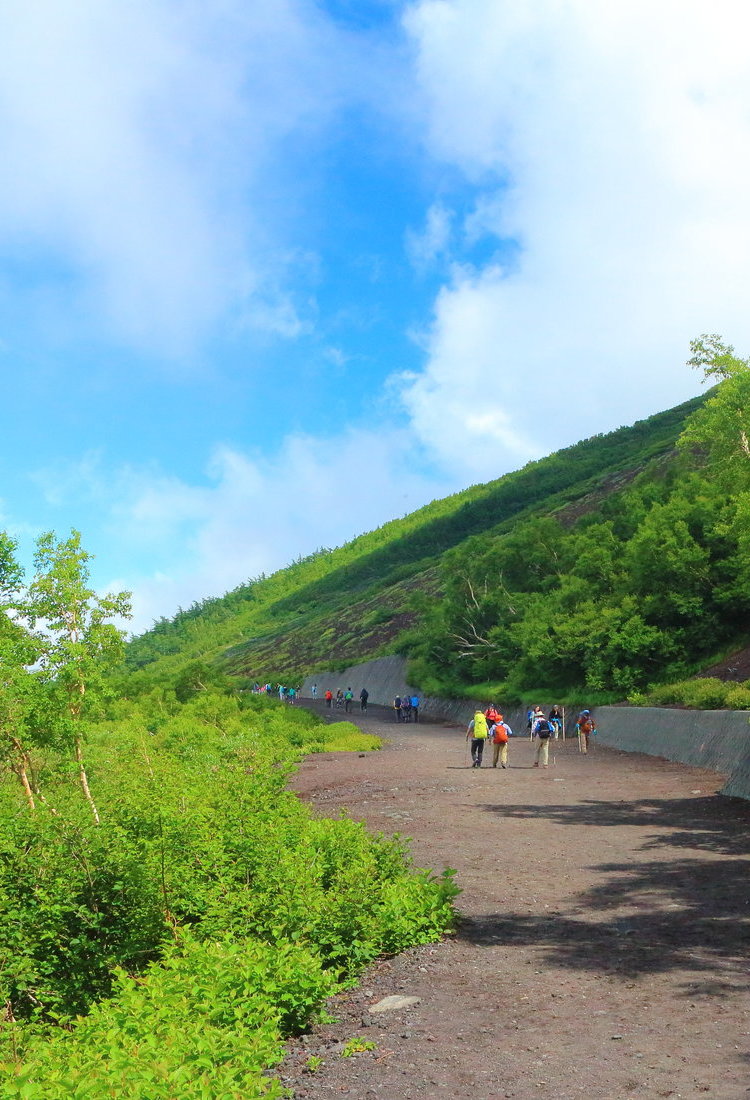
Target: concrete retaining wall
x=714 y=739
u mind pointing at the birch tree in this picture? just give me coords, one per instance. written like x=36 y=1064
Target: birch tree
x=17 y=684
x=77 y=640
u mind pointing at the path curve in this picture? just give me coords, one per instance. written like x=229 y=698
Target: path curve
x=602 y=947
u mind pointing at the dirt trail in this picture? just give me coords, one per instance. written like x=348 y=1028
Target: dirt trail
x=602 y=949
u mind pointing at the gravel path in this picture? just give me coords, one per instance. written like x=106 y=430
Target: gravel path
x=602 y=947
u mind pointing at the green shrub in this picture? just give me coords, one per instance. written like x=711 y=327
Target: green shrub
x=703 y=693
x=206 y=1022
x=201 y=843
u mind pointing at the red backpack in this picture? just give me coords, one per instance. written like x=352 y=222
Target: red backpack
x=500 y=736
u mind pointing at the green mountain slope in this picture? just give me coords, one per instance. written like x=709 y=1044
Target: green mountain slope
x=358 y=600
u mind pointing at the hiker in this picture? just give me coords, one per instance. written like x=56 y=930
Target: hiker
x=291 y=695
x=348 y=696
x=415 y=707
x=530 y=718
x=535 y=714
x=542 y=730
x=364 y=695
x=314 y=691
x=406 y=708
x=585 y=727
x=397 y=707
x=339 y=700
x=477 y=731
x=491 y=714
x=328 y=696
x=556 y=718
x=499 y=733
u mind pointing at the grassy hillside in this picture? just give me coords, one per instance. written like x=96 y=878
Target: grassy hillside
x=339 y=605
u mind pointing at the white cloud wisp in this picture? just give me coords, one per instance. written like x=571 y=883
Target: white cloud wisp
x=612 y=142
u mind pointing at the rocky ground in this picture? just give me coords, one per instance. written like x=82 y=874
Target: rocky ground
x=602 y=944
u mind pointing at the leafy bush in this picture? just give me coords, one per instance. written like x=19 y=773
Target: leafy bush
x=704 y=693
x=207 y=1021
x=205 y=917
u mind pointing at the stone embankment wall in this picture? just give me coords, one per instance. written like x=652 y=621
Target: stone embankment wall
x=714 y=739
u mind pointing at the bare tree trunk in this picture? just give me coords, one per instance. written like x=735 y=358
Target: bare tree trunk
x=20 y=771
x=75 y=710
x=84 y=780
x=21 y=768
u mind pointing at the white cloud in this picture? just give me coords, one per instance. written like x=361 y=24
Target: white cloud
x=147 y=166
x=613 y=143
x=426 y=247
x=251 y=514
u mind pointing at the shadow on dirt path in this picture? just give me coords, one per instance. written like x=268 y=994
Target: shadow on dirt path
x=602 y=942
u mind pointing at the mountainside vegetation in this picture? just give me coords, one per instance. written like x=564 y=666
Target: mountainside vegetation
x=367 y=597
x=608 y=568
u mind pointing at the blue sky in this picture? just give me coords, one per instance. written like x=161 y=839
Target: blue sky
x=272 y=274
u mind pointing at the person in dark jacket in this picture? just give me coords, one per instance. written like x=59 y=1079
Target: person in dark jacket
x=556 y=718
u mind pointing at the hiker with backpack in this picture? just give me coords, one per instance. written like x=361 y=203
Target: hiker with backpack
x=364 y=695
x=585 y=727
x=534 y=714
x=348 y=696
x=556 y=718
x=499 y=733
x=478 y=732
x=542 y=730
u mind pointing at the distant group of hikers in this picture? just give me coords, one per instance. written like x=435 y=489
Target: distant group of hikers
x=406 y=708
x=286 y=694
x=342 y=699
x=489 y=725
